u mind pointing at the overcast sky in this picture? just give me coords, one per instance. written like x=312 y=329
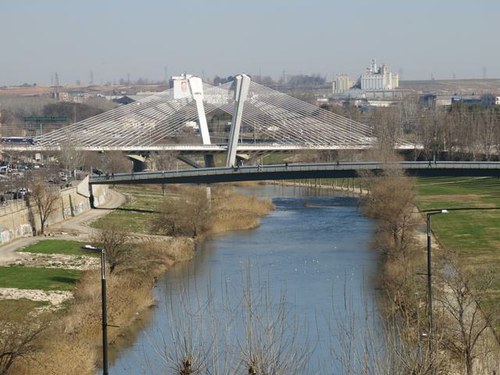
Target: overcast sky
x=152 y=38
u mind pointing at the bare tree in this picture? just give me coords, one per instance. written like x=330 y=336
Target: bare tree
x=490 y=127
x=202 y=338
x=464 y=324
x=43 y=198
x=163 y=160
x=430 y=132
x=391 y=197
x=185 y=215
x=108 y=162
x=113 y=239
x=70 y=157
x=391 y=201
x=387 y=127
x=466 y=131
x=17 y=338
x=115 y=161
x=396 y=346
x=409 y=110
x=272 y=336
x=90 y=159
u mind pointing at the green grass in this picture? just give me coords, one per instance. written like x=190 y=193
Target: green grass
x=57 y=247
x=473 y=235
x=135 y=215
x=38 y=278
x=486 y=188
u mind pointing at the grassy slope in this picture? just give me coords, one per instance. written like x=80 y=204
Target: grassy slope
x=135 y=215
x=473 y=235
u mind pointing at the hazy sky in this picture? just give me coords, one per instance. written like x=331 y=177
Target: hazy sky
x=148 y=38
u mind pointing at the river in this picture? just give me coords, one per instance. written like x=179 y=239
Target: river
x=298 y=291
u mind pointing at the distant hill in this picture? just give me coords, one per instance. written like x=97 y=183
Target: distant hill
x=456 y=86
x=29 y=90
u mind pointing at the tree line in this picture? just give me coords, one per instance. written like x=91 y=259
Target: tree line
x=458 y=132
x=461 y=335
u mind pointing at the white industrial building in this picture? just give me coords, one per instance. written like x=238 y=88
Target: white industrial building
x=341 y=84
x=378 y=78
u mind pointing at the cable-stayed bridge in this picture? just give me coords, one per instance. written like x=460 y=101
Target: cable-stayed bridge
x=184 y=120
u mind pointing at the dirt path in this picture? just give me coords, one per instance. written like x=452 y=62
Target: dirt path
x=75 y=228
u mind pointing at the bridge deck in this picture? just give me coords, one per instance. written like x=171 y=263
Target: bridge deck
x=298 y=171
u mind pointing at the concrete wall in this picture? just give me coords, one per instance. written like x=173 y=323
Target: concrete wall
x=17 y=220
x=14 y=221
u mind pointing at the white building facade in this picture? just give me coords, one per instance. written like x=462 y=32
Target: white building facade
x=341 y=84
x=378 y=78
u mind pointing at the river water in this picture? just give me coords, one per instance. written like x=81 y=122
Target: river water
x=298 y=291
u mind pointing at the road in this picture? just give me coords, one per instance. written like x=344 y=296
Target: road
x=75 y=228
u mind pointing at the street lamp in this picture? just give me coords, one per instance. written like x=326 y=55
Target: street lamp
x=103 y=303
x=429 y=271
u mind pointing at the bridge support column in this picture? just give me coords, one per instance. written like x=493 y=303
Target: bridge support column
x=242 y=82
x=138 y=165
x=209 y=161
x=91 y=197
x=138 y=162
x=196 y=85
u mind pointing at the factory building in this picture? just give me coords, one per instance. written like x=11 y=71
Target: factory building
x=378 y=78
x=341 y=84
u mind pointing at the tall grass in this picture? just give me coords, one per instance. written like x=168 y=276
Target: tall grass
x=77 y=333
x=234 y=211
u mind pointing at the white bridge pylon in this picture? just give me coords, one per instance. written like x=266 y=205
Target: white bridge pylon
x=261 y=119
x=242 y=84
x=196 y=87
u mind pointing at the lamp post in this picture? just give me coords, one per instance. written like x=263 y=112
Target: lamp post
x=429 y=271
x=103 y=303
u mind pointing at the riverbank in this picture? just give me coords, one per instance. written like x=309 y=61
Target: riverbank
x=76 y=331
x=467 y=241
x=401 y=239
x=457 y=323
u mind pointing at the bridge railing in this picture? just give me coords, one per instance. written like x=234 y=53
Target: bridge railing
x=237 y=169
x=294 y=167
